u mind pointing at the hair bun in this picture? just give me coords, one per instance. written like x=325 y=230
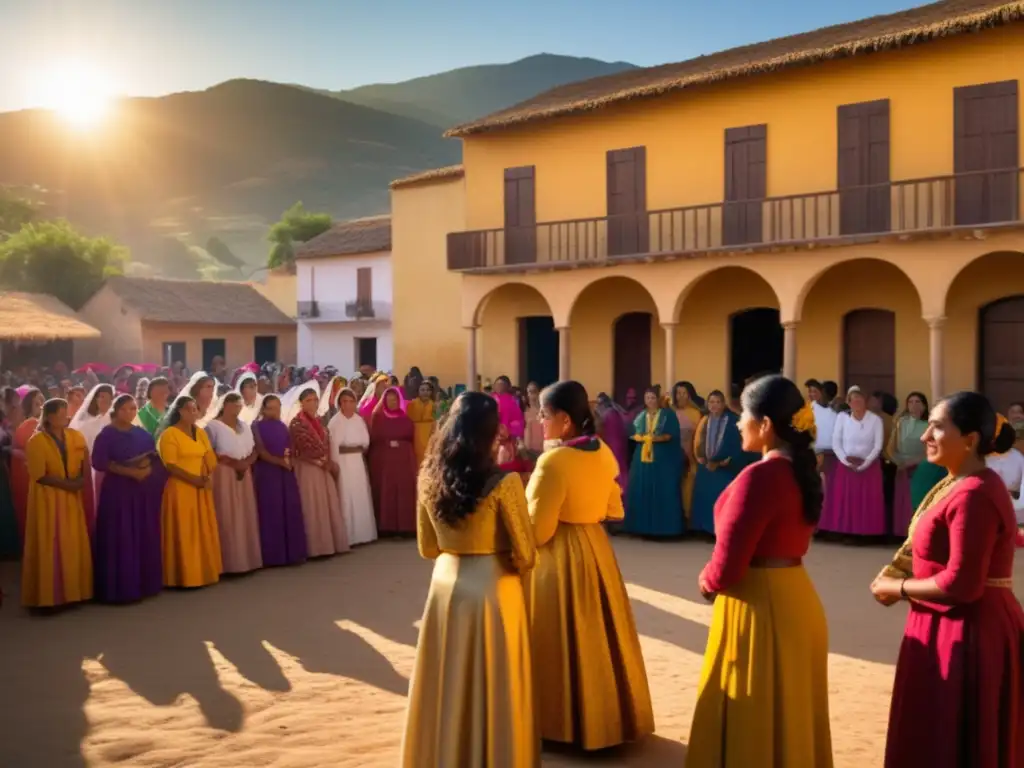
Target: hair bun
x=1004 y=438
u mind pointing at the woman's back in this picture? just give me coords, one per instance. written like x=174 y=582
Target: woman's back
x=575 y=485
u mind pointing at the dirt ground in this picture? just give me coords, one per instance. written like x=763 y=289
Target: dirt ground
x=308 y=666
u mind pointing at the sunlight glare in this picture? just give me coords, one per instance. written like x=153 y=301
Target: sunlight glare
x=79 y=92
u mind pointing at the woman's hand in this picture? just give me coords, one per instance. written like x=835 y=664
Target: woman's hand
x=140 y=474
x=887 y=590
x=705 y=590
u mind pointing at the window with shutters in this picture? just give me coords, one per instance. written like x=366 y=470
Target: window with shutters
x=863 y=167
x=986 y=152
x=628 y=229
x=520 y=215
x=746 y=184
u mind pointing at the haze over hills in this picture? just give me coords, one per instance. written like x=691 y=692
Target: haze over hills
x=167 y=173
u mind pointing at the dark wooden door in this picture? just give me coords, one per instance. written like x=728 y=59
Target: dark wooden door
x=520 y=216
x=869 y=350
x=627 y=201
x=863 y=173
x=213 y=348
x=265 y=349
x=985 y=138
x=1002 y=352
x=632 y=347
x=746 y=180
x=538 y=351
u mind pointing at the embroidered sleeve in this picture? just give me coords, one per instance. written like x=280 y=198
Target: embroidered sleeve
x=516 y=517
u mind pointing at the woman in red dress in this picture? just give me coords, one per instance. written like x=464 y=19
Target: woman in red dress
x=958 y=700
x=393 y=466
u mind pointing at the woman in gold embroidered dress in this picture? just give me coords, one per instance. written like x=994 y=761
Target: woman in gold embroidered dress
x=471 y=696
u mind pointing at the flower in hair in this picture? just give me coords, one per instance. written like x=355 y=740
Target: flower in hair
x=803 y=421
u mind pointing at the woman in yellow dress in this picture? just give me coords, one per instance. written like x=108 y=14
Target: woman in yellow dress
x=57 y=560
x=585 y=645
x=687 y=404
x=471 y=696
x=421 y=411
x=191 y=541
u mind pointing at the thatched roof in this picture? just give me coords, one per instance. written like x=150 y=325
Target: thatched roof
x=427 y=177
x=878 y=33
x=39 y=317
x=196 y=301
x=349 y=237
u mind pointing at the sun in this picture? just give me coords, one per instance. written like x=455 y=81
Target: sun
x=79 y=92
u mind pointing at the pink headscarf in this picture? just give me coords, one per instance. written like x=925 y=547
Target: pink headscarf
x=511 y=414
x=392 y=413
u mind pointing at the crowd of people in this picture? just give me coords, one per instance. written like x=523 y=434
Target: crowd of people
x=140 y=483
x=528 y=635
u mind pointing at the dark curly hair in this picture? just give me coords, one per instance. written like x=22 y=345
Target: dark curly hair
x=972 y=412
x=460 y=459
x=779 y=399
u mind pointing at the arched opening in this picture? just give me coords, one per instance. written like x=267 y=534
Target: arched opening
x=869 y=350
x=861 y=324
x=517 y=336
x=1001 y=347
x=755 y=344
x=984 y=342
x=632 y=352
x=728 y=329
x=616 y=341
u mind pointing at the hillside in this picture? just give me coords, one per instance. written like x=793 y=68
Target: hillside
x=459 y=95
x=226 y=161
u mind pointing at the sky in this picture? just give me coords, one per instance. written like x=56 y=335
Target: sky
x=155 y=47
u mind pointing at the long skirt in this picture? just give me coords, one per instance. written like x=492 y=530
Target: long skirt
x=706 y=489
x=902 y=506
x=471 y=696
x=282 y=528
x=763 y=695
x=191 y=539
x=654 y=502
x=326 y=531
x=237 y=520
x=854 y=502
x=958 y=699
x=56 y=568
x=128 y=555
x=585 y=645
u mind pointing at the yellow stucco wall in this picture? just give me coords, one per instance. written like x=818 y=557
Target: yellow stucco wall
x=426 y=319
x=683 y=132
x=281 y=289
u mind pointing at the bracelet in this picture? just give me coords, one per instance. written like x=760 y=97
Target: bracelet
x=903 y=590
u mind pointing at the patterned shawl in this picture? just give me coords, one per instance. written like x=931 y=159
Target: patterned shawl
x=309 y=438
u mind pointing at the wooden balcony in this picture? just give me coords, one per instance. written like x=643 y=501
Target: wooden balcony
x=853 y=214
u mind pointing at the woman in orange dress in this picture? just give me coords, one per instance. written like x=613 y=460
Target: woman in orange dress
x=31 y=408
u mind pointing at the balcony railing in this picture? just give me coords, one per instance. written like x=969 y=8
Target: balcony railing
x=967 y=200
x=344 y=311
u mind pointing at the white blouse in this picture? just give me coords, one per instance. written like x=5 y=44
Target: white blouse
x=236 y=443
x=862 y=439
x=824 y=425
x=1010 y=467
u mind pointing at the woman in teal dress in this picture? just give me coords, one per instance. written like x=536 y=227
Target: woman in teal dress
x=654 y=504
x=720 y=458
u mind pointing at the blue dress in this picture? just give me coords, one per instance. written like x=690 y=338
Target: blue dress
x=709 y=485
x=654 y=499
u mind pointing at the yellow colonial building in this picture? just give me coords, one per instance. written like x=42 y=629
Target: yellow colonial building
x=843 y=204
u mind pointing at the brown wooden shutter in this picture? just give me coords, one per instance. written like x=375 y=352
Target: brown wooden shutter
x=746 y=181
x=520 y=215
x=1002 y=351
x=985 y=138
x=869 y=350
x=628 y=231
x=863 y=172
x=364 y=286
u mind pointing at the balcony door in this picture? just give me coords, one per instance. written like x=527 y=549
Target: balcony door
x=864 y=197
x=520 y=215
x=746 y=184
x=985 y=138
x=627 y=201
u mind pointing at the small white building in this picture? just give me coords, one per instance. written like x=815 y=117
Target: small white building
x=343 y=282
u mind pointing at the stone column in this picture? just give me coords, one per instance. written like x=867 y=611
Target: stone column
x=563 y=354
x=471 y=360
x=789 y=350
x=670 y=358
x=936 y=339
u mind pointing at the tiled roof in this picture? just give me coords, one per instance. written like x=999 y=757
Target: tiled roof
x=349 y=237
x=197 y=301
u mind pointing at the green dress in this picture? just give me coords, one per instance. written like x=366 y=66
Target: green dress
x=923 y=480
x=149 y=418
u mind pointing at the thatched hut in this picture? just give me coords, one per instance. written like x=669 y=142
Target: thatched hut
x=38 y=329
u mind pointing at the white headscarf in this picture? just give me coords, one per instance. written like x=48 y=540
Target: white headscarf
x=325 y=396
x=187 y=390
x=371 y=388
x=290 y=399
x=88 y=424
x=249 y=412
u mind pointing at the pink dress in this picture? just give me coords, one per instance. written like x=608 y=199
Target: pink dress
x=958 y=700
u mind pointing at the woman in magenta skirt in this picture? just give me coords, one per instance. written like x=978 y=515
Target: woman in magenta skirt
x=958 y=700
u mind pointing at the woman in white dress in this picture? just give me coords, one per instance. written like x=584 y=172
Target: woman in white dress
x=1010 y=467
x=90 y=420
x=248 y=387
x=233 y=494
x=349 y=441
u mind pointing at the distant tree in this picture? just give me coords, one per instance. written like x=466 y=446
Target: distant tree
x=220 y=251
x=297 y=225
x=15 y=212
x=52 y=257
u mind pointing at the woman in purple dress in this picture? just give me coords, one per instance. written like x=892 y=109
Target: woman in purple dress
x=613 y=431
x=128 y=563
x=282 y=529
